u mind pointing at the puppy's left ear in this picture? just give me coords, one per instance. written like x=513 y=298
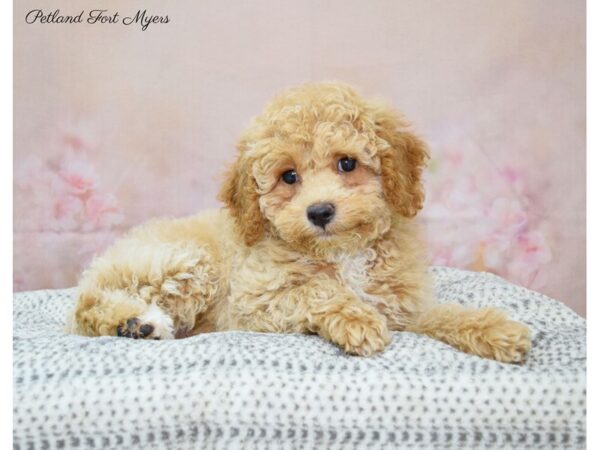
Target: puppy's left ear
x=402 y=162
x=239 y=193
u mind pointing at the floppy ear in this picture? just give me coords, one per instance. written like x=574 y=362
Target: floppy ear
x=401 y=163
x=239 y=193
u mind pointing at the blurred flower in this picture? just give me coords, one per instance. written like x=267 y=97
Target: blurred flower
x=65 y=194
x=478 y=212
x=77 y=173
x=101 y=212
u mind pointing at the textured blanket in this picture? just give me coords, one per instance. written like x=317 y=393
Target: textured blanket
x=254 y=390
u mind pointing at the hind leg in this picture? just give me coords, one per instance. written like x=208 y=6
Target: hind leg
x=483 y=332
x=149 y=291
x=119 y=313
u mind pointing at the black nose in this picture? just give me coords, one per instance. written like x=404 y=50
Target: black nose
x=320 y=213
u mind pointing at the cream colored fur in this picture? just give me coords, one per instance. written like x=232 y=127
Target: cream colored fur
x=259 y=264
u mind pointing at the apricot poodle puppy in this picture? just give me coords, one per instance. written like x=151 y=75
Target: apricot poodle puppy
x=317 y=237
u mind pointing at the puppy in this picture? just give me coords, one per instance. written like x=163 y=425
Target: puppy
x=317 y=237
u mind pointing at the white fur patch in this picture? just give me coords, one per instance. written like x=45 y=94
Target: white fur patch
x=354 y=271
x=163 y=324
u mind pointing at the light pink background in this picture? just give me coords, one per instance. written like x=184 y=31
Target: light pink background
x=114 y=125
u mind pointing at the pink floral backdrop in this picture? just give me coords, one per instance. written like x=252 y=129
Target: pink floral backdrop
x=117 y=125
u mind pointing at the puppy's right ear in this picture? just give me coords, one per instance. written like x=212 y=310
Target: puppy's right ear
x=239 y=193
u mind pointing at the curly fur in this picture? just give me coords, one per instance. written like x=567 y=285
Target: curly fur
x=260 y=264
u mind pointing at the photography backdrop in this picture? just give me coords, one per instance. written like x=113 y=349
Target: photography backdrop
x=114 y=124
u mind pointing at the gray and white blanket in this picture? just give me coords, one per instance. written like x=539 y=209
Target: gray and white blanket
x=254 y=390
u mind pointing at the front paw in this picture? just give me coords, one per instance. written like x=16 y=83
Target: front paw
x=357 y=335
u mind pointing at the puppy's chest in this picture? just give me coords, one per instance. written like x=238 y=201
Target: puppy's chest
x=354 y=271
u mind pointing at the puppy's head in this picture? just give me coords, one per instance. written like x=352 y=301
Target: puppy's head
x=324 y=170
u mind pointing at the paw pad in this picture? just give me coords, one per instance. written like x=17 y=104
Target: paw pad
x=134 y=328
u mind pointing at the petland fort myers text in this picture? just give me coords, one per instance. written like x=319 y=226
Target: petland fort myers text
x=95 y=17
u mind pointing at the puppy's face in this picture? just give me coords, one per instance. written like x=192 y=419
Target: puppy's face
x=324 y=171
x=325 y=193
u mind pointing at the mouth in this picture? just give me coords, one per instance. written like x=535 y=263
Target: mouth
x=339 y=228
x=326 y=234
x=329 y=232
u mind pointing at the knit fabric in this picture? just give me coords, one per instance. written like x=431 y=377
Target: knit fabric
x=260 y=390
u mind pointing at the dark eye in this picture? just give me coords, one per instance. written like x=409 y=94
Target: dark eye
x=346 y=164
x=290 y=177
